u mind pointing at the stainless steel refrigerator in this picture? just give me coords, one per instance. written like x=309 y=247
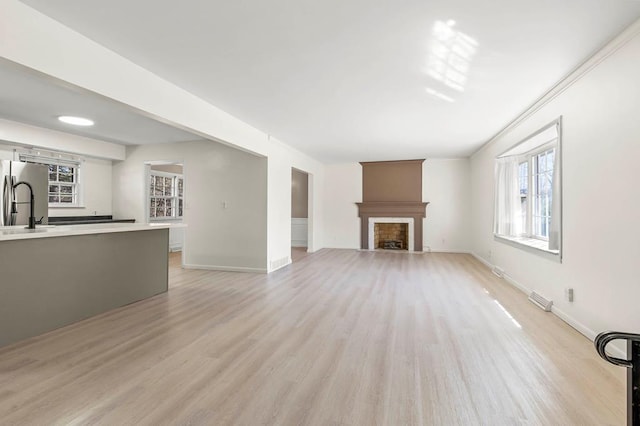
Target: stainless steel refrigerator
x=12 y=172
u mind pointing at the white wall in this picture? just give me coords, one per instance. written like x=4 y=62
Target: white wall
x=217 y=237
x=343 y=188
x=281 y=159
x=601 y=207
x=445 y=185
x=96 y=190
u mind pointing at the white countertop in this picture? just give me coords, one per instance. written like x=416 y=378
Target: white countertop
x=8 y=233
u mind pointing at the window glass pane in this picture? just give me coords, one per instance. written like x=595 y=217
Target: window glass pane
x=160 y=207
x=66 y=189
x=65 y=177
x=53 y=188
x=180 y=208
x=523 y=172
x=54 y=199
x=164 y=195
x=66 y=199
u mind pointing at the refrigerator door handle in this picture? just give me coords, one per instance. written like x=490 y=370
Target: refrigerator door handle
x=7 y=190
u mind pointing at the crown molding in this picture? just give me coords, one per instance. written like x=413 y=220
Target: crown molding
x=568 y=80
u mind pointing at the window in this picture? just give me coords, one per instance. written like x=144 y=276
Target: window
x=63 y=185
x=528 y=191
x=166 y=195
x=64 y=179
x=542 y=190
x=536 y=216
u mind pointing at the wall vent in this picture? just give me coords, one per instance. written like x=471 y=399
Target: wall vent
x=498 y=272
x=540 y=301
x=279 y=263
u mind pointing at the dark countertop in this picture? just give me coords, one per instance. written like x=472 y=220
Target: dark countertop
x=86 y=220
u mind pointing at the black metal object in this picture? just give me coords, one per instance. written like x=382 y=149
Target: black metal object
x=32 y=216
x=633 y=368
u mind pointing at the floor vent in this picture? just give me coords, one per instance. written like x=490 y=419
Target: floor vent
x=540 y=301
x=498 y=272
x=279 y=263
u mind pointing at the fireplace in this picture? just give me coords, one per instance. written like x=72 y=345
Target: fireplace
x=391 y=236
x=391 y=233
x=392 y=198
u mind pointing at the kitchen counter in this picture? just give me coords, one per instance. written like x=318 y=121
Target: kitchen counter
x=8 y=233
x=53 y=276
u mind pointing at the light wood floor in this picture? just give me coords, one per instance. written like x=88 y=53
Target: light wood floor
x=339 y=338
x=298 y=253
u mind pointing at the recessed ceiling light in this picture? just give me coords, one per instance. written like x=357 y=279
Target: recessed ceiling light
x=76 y=121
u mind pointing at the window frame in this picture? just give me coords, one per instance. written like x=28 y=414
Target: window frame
x=76 y=184
x=528 y=243
x=174 y=197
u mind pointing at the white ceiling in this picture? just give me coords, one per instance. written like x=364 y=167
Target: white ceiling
x=33 y=98
x=351 y=80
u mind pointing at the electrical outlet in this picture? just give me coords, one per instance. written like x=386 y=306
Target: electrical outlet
x=569 y=294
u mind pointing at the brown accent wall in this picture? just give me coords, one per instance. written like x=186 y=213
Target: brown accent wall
x=392 y=189
x=299 y=194
x=392 y=181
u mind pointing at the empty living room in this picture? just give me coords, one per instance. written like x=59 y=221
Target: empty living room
x=319 y=213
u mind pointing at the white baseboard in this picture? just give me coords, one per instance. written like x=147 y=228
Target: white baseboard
x=443 y=250
x=298 y=243
x=280 y=266
x=482 y=260
x=175 y=247
x=526 y=290
x=226 y=268
x=575 y=324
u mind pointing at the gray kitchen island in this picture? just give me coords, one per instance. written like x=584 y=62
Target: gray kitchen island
x=54 y=276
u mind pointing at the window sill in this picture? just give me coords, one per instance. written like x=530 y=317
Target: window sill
x=165 y=219
x=531 y=245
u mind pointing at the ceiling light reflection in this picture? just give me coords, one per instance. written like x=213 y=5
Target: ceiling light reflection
x=439 y=95
x=450 y=55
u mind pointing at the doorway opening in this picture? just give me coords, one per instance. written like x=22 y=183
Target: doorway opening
x=299 y=214
x=165 y=200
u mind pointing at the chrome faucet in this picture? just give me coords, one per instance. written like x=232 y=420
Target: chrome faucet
x=14 y=205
